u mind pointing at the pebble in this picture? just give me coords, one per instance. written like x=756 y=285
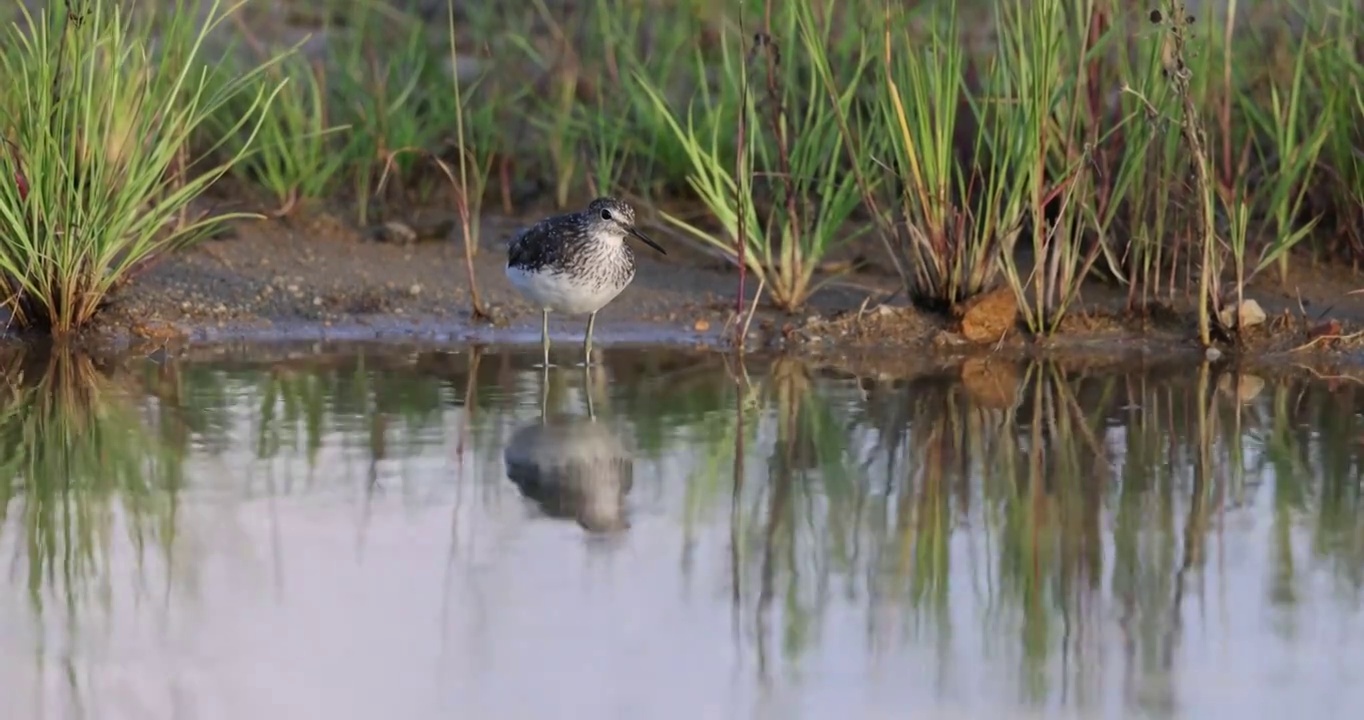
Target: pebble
x=701 y=325
x=1247 y=315
x=415 y=290
x=395 y=232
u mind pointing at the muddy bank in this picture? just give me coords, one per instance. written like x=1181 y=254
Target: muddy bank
x=318 y=277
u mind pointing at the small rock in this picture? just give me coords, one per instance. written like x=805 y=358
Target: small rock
x=415 y=290
x=990 y=316
x=946 y=338
x=1248 y=315
x=1330 y=328
x=1213 y=354
x=317 y=301
x=701 y=325
x=394 y=232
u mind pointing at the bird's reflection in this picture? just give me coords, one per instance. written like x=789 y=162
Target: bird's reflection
x=572 y=466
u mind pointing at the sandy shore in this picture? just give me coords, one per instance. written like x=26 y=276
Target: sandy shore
x=318 y=277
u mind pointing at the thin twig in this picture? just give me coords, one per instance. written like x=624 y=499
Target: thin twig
x=741 y=238
x=1348 y=337
x=462 y=204
x=743 y=335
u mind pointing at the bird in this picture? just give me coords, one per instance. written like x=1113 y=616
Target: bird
x=576 y=263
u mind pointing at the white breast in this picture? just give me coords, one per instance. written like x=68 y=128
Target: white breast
x=562 y=292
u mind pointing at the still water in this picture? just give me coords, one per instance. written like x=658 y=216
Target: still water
x=403 y=533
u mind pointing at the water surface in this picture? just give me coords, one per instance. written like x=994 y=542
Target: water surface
x=382 y=532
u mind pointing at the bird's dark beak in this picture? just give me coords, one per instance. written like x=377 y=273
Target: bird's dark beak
x=647 y=241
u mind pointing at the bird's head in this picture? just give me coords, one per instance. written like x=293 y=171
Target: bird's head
x=617 y=218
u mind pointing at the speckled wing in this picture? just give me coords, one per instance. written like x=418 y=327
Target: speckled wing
x=528 y=250
x=542 y=244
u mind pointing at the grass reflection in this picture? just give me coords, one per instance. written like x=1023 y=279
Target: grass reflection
x=79 y=464
x=1057 y=523
x=1044 y=506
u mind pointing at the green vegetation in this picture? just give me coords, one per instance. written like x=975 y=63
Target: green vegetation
x=789 y=195
x=1174 y=156
x=953 y=223
x=293 y=159
x=96 y=118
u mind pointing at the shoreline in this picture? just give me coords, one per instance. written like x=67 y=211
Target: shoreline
x=997 y=378
x=319 y=279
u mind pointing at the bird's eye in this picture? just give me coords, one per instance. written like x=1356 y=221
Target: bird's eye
x=606 y=214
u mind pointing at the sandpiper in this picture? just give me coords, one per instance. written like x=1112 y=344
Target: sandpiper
x=576 y=263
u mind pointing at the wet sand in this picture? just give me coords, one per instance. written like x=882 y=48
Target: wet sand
x=317 y=276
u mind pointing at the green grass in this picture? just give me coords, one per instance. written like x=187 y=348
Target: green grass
x=1037 y=150
x=1336 y=91
x=96 y=119
x=958 y=207
x=292 y=155
x=783 y=193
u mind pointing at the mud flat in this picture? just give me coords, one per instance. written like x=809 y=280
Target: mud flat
x=319 y=277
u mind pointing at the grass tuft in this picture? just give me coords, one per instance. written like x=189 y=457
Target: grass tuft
x=292 y=154
x=960 y=165
x=791 y=189
x=95 y=121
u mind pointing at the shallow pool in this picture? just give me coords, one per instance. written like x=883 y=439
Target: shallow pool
x=387 y=532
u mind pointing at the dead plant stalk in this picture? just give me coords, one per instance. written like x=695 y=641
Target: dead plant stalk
x=1177 y=69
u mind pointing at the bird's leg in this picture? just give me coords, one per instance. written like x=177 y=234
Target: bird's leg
x=587 y=387
x=587 y=339
x=544 y=392
x=544 y=335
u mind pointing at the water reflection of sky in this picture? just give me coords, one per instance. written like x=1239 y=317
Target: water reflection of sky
x=300 y=588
